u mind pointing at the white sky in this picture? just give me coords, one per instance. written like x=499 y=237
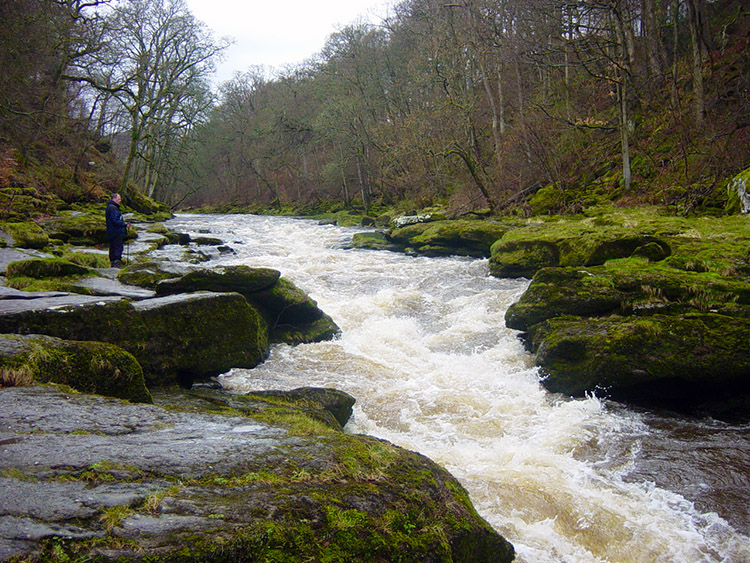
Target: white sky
x=276 y=33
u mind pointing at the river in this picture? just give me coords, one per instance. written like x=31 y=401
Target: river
x=425 y=351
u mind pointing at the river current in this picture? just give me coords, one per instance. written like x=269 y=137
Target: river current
x=425 y=351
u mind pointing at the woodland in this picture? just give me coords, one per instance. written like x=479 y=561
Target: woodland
x=501 y=106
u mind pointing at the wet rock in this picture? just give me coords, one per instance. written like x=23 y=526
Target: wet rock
x=338 y=403
x=697 y=363
x=292 y=316
x=8 y=293
x=46 y=268
x=241 y=279
x=175 y=339
x=107 y=286
x=101 y=479
x=89 y=367
x=442 y=238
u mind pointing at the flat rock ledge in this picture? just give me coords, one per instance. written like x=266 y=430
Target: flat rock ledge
x=212 y=477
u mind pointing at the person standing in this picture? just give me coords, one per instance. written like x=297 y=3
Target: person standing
x=116 y=230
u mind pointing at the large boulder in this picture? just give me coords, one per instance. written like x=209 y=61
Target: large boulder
x=241 y=279
x=175 y=339
x=521 y=252
x=696 y=362
x=634 y=287
x=292 y=316
x=442 y=238
x=556 y=292
x=90 y=478
x=89 y=367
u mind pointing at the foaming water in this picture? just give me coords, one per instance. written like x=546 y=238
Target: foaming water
x=425 y=351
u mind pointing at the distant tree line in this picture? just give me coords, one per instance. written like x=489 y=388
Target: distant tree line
x=503 y=104
x=484 y=103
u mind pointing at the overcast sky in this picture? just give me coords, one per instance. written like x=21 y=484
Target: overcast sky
x=275 y=33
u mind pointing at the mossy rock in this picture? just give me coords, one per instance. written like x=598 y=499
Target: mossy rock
x=144 y=205
x=632 y=286
x=86 y=227
x=242 y=279
x=651 y=247
x=520 y=253
x=337 y=402
x=26 y=235
x=207 y=241
x=286 y=303
x=374 y=241
x=89 y=367
x=522 y=258
x=459 y=237
x=240 y=479
x=292 y=316
x=176 y=339
x=305 y=332
x=605 y=234
x=39 y=268
x=693 y=362
x=556 y=292
x=145 y=274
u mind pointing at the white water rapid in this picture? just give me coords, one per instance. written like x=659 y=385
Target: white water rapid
x=425 y=351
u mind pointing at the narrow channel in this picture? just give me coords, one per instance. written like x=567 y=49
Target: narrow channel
x=425 y=351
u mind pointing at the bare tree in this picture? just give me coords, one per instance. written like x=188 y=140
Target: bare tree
x=155 y=62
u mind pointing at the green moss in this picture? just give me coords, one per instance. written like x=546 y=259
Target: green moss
x=85 y=227
x=38 y=268
x=26 y=234
x=459 y=237
x=143 y=274
x=90 y=367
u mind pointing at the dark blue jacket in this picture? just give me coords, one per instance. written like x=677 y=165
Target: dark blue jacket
x=116 y=225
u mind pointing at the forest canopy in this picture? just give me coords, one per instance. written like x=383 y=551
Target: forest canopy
x=535 y=106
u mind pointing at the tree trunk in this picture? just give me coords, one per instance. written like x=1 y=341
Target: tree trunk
x=472 y=167
x=622 y=94
x=696 y=12
x=651 y=10
x=493 y=103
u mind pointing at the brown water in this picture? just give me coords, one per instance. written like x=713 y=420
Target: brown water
x=426 y=353
x=706 y=461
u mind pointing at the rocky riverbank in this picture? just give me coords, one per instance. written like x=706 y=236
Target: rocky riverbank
x=179 y=471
